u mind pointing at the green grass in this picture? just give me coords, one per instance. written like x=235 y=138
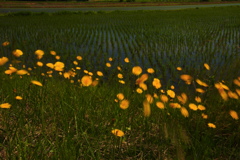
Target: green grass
x=64 y=120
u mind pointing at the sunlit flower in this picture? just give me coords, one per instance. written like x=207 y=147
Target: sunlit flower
x=36 y=83
x=66 y=75
x=3 y=60
x=6 y=43
x=39 y=53
x=211 y=125
x=143 y=86
x=233 y=114
x=175 y=105
x=120 y=96
x=95 y=83
x=57 y=57
x=186 y=78
x=18 y=98
x=232 y=95
x=201 y=107
x=126 y=60
x=142 y=79
x=160 y=105
x=164 y=98
x=206 y=66
x=79 y=58
x=121 y=81
x=110 y=59
x=120 y=75
x=221 y=86
x=85 y=71
x=86 y=80
x=193 y=106
x=150 y=70
x=179 y=68
x=149 y=98
x=183 y=98
x=118 y=132
x=53 y=53
x=200 y=90
x=99 y=73
x=124 y=104
x=139 y=90
x=75 y=62
x=10 y=70
x=119 y=68
x=40 y=64
x=204 y=116
x=171 y=93
x=184 y=112
x=237 y=82
x=146 y=108
x=50 y=65
x=198 y=99
x=17 y=53
x=223 y=94
x=90 y=73
x=136 y=70
x=58 y=66
x=78 y=68
x=156 y=83
x=108 y=64
x=5 y=105
x=21 y=72
x=201 y=83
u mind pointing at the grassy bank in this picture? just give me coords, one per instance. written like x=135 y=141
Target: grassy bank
x=71 y=88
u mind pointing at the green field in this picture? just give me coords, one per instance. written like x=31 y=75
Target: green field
x=174 y=105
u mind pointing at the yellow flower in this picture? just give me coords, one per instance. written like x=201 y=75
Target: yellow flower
x=238 y=91
x=186 y=78
x=223 y=94
x=204 y=116
x=142 y=79
x=6 y=43
x=160 y=105
x=184 y=112
x=39 y=53
x=164 y=98
x=171 y=93
x=3 y=60
x=21 y=72
x=198 y=99
x=10 y=70
x=120 y=96
x=119 y=68
x=50 y=65
x=40 y=64
x=149 y=98
x=58 y=66
x=139 y=90
x=146 y=108
x=233 y=114
x=5 y=105
x=17 y=53
x=201 y=83
x=201 y=107
x=57 y=57
x=179 y=68
x=78 y=68
x=99 y=73
x=211 y=125
x=232 y=95
x=124 y=104
x=175 y=105
x=221 y=86
x=118 y=132
x=36 y=83
x=75 y=62
x=95 y=83
x=237 y=82
x=53 y=53
x=110 y=59
x=206 y=66
x=79 y=58
x=120 y=75
x=66 y=75
x=183 y=98
x=86 y=80
x=150 y=70
x=156 y=83
x=143 y=86
x=193 y=106
x=121 y=81
x=136 y=70
x=108 y=64
x=126 y=60
x=18 y=97
x=200 y=90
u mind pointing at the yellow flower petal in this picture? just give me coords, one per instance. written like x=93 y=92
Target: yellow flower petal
x=120 y=96
x=211 y=125
x=36 y=83
x=164 y=98
x=171 y=93
x=126 y=60
x=136 y=70
x=5 y=105
x=118 y=132
x=86 y=80
x=206 y=66
x=3 y=60
x=160 y=105
x=17 y=53
x=193 y=106
x=150 y=70
x=124 y=104
x=18 y=97
x=233 y=114
x=21 y=72
x=184 y=112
